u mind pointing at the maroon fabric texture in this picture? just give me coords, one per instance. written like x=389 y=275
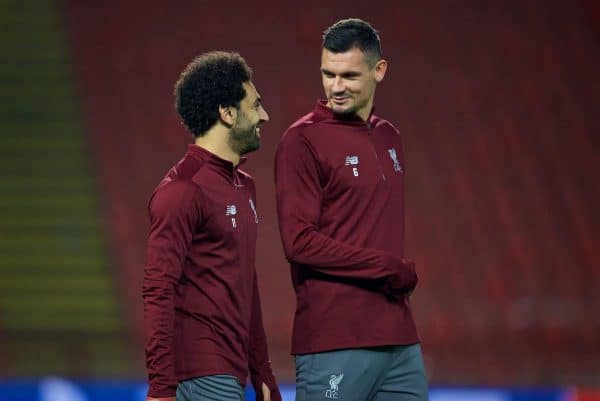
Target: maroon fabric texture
x=340 y=197
x=201 y=305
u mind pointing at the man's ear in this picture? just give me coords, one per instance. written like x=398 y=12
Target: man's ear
x=228 y=115
x=380 y=69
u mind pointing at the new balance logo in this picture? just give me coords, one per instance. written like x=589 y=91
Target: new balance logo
x=231 y=210
x=334 y=384
x=351 y=160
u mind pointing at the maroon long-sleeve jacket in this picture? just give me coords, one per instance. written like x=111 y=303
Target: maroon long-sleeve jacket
x=340 y=199
x=201 y=304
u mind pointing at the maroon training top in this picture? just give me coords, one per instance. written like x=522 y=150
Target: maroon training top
x=340 y=198
x=201 y=304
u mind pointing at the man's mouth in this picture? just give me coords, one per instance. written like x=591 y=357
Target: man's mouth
x=340 y=99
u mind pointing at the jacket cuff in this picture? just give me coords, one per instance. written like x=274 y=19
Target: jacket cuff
x=267 y=378
x=160 y=392
x=403 y=278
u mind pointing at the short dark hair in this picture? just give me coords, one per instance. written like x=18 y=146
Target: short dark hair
x=353 y=32
x=213 y=79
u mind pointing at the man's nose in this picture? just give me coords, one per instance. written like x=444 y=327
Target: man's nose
x=262 y=114
x=338 y=85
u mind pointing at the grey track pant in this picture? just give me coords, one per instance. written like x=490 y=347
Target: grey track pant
x=210 y=388
x=390 y=373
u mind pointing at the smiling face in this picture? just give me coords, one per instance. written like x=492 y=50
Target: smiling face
x=244 y=136
x=349 y=81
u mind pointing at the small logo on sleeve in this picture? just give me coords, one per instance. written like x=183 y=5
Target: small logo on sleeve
x=394 y=157
x=231 y=210
x=352 y=161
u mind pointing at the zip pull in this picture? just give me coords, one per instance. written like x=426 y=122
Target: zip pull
x=237 y=182
x=368 y=125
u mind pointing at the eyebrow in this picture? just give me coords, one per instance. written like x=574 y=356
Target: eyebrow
x=346 y=74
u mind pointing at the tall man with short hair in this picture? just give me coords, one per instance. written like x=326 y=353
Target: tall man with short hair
x=204 y=329
x=339 y=175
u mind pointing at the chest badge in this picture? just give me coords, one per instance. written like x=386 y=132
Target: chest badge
x=253 y=210
x=352 y=161
x=231 y=210
x=394 y=157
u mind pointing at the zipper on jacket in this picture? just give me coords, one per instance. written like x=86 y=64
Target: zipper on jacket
x=236 y=181
x=369 y=133
x=242 y=226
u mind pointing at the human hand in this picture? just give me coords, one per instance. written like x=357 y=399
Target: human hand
x=266 y=392
x=404 y=280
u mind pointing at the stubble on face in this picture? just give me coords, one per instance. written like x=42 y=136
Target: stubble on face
x=348 y=82
x=243 y=137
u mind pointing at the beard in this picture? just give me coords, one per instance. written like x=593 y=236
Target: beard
x=349 y=111
x=242 y=137
x=346 y=110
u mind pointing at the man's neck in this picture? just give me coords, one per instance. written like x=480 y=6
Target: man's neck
x=216 y=143
x=365 y=112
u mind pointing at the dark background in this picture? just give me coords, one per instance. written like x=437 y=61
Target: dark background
x=497 y=103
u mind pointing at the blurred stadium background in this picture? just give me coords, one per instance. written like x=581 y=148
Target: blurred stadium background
x=498 y=104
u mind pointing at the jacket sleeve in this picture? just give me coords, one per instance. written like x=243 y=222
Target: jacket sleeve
x=174 y=215
x=258 y=355
x=299 y=195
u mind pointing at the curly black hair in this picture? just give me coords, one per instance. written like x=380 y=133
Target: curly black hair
x=213 y=79
x=353 y=32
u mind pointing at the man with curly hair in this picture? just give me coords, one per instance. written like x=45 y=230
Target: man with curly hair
x=203 y=322
x=340 y=197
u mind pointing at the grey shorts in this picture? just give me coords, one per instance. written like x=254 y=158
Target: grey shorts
x=391 y=373
x=210 y=388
